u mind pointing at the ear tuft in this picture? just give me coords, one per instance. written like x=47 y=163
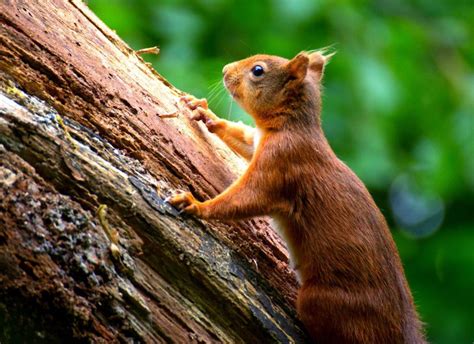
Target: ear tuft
x=298 y=66
x=318 y=60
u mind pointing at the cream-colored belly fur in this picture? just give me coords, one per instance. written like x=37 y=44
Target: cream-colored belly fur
x=279 y=224
x=257 y=136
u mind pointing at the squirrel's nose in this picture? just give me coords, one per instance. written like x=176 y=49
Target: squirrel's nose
x=226 y=68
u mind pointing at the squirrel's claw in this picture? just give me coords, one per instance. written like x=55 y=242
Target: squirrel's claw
x=185 y=202
x=197 y=107
x=193 y=103
x=201 y=112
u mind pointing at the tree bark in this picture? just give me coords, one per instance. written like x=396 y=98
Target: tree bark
x=80 y=129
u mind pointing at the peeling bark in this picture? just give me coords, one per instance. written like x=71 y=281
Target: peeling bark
x=80 y=127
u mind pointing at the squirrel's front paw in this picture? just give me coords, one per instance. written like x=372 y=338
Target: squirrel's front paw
x=201 y=112
x=194 y=104
x=185 y=202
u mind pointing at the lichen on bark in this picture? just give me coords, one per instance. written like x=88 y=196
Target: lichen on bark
x=76 y=134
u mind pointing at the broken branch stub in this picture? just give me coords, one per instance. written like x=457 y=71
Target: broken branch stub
x=79 y=129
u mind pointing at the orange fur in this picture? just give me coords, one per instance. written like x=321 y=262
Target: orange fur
x=353 y=285
x=237 y=136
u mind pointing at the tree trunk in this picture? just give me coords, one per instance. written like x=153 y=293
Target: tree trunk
x=80 y=129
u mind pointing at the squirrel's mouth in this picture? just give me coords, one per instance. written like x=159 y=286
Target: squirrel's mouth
x=234 y=95
x=231 y=86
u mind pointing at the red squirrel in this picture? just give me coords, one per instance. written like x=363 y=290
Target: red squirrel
x=353 y=287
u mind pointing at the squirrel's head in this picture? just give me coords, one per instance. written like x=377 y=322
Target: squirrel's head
x=269 y=86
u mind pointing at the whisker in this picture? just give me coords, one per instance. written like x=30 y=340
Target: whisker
x=219 y=97
x=217 y=88
x=214 y=92
x=214 y=84
x=230 y=106
x=217 y=94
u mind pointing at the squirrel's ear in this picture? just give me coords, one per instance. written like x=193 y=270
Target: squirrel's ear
x=298 y=66
x=317 y=61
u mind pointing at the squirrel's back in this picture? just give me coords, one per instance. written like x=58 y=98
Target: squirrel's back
x=341 y=247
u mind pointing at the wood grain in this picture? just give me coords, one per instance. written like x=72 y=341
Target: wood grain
x=177 y=279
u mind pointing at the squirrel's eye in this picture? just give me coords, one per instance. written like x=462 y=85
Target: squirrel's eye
x=257 y=70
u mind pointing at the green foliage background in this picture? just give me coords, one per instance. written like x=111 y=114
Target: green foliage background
x=398 y=109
